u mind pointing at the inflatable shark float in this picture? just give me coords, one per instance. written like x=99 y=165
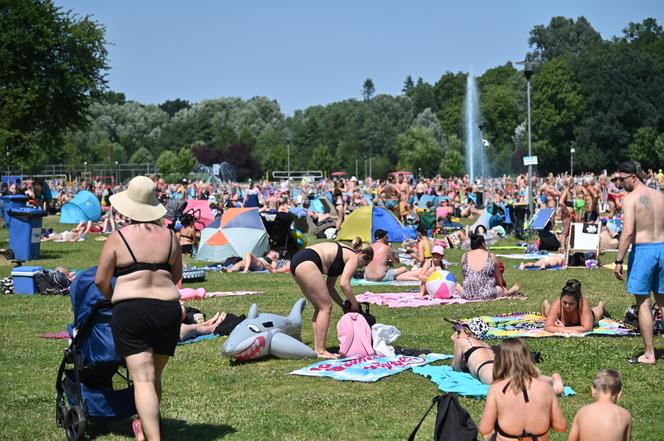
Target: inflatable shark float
x=260 y=335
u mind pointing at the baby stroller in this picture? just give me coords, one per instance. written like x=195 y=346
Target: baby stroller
x=86 y=390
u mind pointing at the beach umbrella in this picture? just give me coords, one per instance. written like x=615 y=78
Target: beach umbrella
x=240 y=230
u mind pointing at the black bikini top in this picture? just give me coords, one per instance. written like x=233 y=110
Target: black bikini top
x=338 y=264
x=143 y=266
x=524 y=434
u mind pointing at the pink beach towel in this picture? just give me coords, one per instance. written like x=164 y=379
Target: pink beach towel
x=413 y=299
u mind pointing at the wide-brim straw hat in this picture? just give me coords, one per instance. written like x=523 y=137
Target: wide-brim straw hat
x=138 y=201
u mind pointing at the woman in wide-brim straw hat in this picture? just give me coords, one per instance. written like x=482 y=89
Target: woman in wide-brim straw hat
x=147 y=261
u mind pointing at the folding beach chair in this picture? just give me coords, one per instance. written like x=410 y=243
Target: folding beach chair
x=583 y=238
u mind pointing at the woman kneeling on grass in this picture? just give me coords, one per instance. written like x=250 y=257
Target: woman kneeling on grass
x=521 y=404
x=572 y=313
x=329 y=259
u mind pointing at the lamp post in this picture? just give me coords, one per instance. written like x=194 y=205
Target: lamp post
x=288 y=147
x=117 y=173
x=528 y=73
x=572 y=150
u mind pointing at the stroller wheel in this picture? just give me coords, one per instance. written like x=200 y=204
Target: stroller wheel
x=60 y=414
x=75 y=423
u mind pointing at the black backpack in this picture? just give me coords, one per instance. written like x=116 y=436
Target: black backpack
x=453 y=422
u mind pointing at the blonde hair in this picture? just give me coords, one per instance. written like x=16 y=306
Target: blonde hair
x=608 y=381
x=362 y=248
x=513 y=361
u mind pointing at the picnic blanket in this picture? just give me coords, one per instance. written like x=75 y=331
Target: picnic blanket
x=413 y=299
x=200 y=294
x=461 y=383
x=534 y=256
x=363 y=282
x=367 y=369
x=534 y=268
x=530 y=324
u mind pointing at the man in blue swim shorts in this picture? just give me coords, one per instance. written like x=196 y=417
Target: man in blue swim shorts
x=643 y=229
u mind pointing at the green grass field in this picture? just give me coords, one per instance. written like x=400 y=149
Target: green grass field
x=206 y=397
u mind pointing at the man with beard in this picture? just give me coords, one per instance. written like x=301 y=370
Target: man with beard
x=643 y=228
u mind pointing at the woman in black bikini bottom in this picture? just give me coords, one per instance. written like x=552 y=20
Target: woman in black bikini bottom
x=309 y=266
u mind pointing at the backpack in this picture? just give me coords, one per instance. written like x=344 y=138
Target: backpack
x=453 y=422
x=631 y=319
x=354 y=335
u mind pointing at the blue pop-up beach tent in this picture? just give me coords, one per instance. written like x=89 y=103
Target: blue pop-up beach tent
x=84 y=207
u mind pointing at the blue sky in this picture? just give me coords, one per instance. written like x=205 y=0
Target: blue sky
x=304 y=53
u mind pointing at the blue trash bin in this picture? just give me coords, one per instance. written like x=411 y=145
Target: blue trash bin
x=10 y=202
x=25 y=232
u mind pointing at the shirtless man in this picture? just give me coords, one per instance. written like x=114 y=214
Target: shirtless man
x=377 y=270
x=405 y=191
x=591 y=199
x=420 y=189
x=643 y=228
x=603 y=419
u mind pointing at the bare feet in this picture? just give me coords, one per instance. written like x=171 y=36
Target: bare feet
x=514 y=289
x=138 y=430
x=558 y=385
x=326 y=354
x=643 y=359
x=522 y=266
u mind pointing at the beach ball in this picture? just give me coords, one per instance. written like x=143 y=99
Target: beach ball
x=300 y=239
x=440 y=284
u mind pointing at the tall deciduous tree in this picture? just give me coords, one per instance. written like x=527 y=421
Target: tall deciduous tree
x=558 y=107
x=418 y=149
x=368 y=89
x=53 y=65
x=562 y=37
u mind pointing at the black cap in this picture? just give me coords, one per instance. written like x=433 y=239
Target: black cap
x=633 y=168
x=380 y=233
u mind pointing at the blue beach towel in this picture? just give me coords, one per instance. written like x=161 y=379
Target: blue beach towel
x=462 y=383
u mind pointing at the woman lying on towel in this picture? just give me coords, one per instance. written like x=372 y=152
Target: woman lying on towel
x=270 y=262
x=521 y=404
x=572 y=313
x=476 y=357
x=549 y=261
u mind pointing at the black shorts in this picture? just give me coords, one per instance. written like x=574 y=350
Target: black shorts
x=142 y=324
x=187 y=249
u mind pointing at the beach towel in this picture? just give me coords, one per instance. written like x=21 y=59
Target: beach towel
x=199 y=338
x=413 y=299
x=530 y=324
x=64 y=335
x=534 y=268
x=187 y=294
x=533 y=256
x=461 y=383
x=367 y=369
x=363 y=282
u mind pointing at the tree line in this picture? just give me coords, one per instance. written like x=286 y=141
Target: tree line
x=602 y=97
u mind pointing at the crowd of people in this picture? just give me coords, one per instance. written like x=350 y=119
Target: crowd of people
x=522 y=403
